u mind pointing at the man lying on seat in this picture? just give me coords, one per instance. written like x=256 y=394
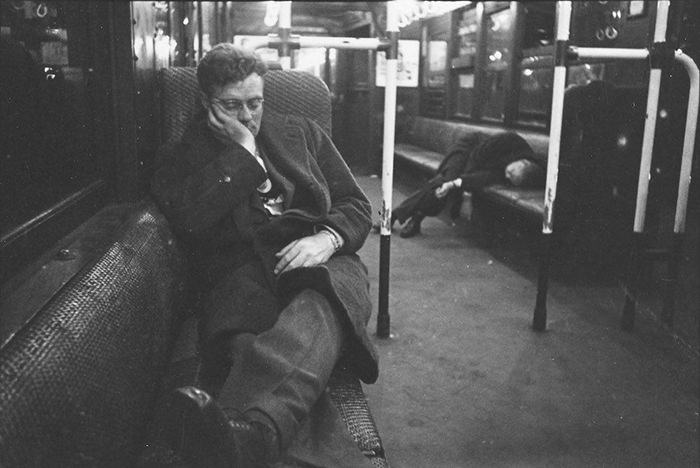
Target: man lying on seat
x=273 y=218
x=474 y=161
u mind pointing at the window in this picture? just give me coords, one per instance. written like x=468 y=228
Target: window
x=55 y=120
x=434 y=52
x=536 y=67
x=539 y=25
x=535 y=98
x=464 y=62
x=437 y=63
x=500 y=63
x=499 y=37
x=46 y=125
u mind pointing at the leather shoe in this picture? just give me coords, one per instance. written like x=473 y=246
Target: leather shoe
x=203 y=434
x=412 y=227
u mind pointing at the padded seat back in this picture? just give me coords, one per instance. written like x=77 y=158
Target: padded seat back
x=438 y=135
x=286 y=92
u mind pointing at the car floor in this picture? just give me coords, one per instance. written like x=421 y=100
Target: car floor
x=466 y=382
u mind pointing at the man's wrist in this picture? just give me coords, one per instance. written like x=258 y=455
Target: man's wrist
x=335 y=242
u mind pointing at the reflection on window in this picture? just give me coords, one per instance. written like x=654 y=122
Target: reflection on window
x=585 y=73
x=465 y=93
x=437 y=63
x=499 y=32
x=47 y=122
x=535 y=91
x=494 y=96
x=467 y=30
x=464 y=61
x=539 y=24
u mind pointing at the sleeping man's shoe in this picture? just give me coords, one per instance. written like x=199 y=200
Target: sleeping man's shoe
x=412 y=227
x=377 y=225
x=202 y=433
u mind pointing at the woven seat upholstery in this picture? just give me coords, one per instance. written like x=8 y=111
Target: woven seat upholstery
x=77 y=384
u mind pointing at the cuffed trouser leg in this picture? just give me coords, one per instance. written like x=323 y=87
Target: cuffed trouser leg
x=283 y=371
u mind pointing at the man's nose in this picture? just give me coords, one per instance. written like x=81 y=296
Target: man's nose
x=244 y=114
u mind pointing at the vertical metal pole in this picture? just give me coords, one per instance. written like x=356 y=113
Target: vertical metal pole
x=628 y=311
x=383 y=319
x=200 y=31
x=284 y=30
x=539 y=322
x=691 y=123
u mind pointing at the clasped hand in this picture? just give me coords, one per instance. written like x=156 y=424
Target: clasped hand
x=445 y=188
x=308 y=251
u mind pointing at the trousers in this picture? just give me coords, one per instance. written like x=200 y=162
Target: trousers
x=283 y=371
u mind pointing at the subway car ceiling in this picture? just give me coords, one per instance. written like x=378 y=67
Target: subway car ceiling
x=81 y=106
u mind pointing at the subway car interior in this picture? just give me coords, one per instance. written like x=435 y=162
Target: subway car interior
x=544 y=318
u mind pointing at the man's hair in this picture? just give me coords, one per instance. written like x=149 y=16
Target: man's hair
x=227 y=63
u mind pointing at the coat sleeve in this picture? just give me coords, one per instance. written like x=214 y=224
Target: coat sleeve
x=200 y=181
x=350 y=212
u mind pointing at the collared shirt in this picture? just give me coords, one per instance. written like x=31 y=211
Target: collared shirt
x=273 y=200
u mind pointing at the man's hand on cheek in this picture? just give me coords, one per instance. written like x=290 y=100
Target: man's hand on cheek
x=228 y=129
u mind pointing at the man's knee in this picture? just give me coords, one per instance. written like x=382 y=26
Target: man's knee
x=312 y=310
x=312 y=304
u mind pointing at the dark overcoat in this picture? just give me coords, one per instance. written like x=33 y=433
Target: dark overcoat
x=208 y=192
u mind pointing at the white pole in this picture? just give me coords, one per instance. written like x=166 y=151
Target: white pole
x=555 y=123
x=539 y=319
x=392 y=28
x=285 y=27
x=691 y=123
x=631 y=288
x=339 y=42
x=389 y=129
x=610 y=53
x=650 y=121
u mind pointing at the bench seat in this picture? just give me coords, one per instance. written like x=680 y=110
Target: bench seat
x=83 y=383
x=420 y=158
x=528 y=201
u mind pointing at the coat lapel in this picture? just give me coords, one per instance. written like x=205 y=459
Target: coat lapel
x=286 y=151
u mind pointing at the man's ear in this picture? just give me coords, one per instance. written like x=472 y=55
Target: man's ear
x=204 y=99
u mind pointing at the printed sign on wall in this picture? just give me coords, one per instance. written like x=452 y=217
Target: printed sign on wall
x=407 y=66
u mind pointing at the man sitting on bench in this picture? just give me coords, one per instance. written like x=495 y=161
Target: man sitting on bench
x=273 y=219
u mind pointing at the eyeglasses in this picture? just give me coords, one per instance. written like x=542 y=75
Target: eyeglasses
x=235 y=106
